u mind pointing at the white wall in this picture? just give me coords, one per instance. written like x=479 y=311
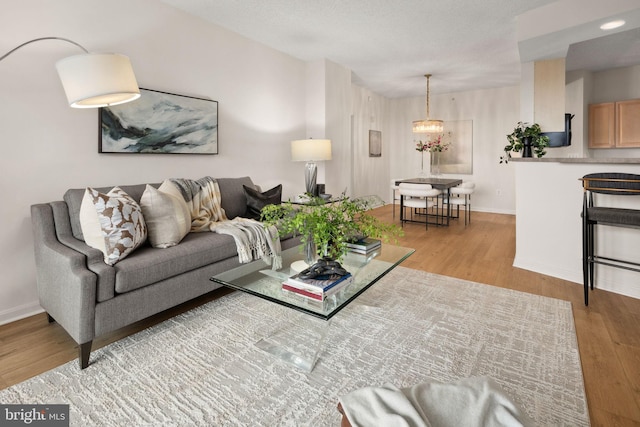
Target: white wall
x=494 y=113
x=48 y=147
x=370 y=175
x=338 y=127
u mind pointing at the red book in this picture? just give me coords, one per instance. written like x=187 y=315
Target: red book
x=318 y=294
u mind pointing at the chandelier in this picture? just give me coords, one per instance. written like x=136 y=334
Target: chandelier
x=427 y=125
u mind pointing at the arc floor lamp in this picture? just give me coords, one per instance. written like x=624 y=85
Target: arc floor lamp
x=93 y=80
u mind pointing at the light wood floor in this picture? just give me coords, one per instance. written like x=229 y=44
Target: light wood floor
x=608 y=330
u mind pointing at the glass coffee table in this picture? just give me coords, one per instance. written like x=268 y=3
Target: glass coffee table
x=310 y=320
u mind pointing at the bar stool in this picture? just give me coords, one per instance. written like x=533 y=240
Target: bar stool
x=613 y=184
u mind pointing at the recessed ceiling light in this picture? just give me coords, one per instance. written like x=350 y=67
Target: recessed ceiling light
x=612 y=24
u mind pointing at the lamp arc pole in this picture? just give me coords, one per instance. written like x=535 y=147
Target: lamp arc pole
x=40 y=39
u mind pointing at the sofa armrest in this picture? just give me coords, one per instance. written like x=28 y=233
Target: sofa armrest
x=106 y=274
x=66 y=288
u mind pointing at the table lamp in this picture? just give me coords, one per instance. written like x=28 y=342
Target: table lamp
x=311 y=151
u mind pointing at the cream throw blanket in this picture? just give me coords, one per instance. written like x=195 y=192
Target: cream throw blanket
x=253 y=239
x=471 y=402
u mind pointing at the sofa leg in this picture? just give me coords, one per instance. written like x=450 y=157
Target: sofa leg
x=50 y=319
x=84 y=352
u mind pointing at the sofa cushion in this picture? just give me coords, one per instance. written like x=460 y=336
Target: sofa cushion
x=112 y=223
x=167 y=216
x=257 y=200
x=150 y=265
x=232 y=196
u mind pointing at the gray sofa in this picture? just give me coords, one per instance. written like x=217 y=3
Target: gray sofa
x=89 y=298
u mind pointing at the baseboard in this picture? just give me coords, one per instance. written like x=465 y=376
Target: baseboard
x=493 y=210
x=576 y=277
x=20 y=312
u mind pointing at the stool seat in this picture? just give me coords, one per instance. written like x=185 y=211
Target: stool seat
x=614 y=216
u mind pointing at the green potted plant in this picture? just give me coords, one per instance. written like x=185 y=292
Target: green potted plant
x=328 y=226
x=525 y=138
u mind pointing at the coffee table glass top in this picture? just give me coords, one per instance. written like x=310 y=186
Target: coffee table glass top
x=258 y=279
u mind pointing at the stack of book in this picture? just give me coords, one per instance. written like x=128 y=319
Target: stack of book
x=364 y=246
x=317 y=289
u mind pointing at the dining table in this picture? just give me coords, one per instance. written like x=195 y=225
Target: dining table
x=442 y=184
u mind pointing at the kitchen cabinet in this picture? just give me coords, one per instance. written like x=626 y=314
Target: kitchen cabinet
x=615 y=124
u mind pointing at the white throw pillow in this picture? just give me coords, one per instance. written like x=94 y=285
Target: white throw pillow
x=167 y=216
x=112 y=223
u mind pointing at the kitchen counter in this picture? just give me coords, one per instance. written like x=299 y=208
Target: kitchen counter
x=579 y=160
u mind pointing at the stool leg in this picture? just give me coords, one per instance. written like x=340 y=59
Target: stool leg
x=585 y=260
x=585 y=250
x=591 y=254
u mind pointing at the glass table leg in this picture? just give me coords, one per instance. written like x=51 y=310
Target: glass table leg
x=298 y=342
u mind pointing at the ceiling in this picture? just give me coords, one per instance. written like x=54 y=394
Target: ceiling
x=390 y=44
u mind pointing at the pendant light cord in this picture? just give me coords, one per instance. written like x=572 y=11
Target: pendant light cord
x=427 y=76
x=39 y=39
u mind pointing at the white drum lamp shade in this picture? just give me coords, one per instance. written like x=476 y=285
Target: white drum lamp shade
x=304 y=150
x=98 y=80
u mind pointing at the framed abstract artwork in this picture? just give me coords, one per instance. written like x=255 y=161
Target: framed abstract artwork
x=459 y=156
x=375 y=143
x=160 y=123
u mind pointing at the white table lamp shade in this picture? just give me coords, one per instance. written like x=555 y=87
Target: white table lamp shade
x=305 y=150
x=97 y=80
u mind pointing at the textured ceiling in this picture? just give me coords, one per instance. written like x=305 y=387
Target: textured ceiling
x=390 y=44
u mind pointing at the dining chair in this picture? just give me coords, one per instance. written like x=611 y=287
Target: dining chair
x=395 y=195
x=461 y=196
x=417 y=196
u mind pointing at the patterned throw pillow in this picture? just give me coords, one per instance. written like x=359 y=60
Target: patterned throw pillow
x=167 y=217
x=112 y=223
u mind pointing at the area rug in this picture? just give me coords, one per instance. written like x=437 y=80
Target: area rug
x=202 y=368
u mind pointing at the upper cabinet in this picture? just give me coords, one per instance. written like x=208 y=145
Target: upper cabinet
x=602 y=125
x=615 y=124
x=628 y=123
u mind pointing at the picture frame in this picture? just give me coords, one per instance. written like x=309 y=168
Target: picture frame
x=375 y=143
x=160 y=123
